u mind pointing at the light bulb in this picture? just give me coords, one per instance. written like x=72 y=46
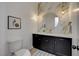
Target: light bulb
x=35 y=17
x=62 y=12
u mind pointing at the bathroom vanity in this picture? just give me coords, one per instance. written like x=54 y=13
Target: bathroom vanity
x=56 y=32
x=52 y=43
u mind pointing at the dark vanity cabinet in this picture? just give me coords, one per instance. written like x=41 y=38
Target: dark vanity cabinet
x=52 y=44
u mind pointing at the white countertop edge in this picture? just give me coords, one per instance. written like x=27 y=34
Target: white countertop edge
x=51 y=34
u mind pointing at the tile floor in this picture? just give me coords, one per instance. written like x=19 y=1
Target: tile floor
x=42 y=53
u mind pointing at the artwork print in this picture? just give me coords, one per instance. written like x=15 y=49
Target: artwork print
x=14 y=22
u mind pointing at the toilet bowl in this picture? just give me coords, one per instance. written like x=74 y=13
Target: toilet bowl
x=16 y=49
x=23 y=52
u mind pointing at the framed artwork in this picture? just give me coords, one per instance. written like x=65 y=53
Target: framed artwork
x=14 y=22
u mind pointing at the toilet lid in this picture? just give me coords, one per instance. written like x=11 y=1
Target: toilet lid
x=23 y=52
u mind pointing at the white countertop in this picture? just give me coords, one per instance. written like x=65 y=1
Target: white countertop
x=51 y=34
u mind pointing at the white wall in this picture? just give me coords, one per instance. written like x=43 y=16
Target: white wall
x=3 y=42
x=23 y=10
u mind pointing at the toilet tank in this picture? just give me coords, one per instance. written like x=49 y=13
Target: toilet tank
x=15 y=45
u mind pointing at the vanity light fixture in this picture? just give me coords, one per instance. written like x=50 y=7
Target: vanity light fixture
x=39 y=8
x=62 y=12
x=35 y=17
x=39 y=15
x=62 y=8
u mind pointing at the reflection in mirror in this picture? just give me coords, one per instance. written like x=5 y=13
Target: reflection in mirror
x=56 y=20
x=48 y=23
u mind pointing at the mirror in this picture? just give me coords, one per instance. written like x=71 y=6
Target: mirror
x=50 y=23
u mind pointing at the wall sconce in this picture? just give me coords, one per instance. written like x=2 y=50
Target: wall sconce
x=35 y=17
x=62 y=8
x=39 y=15
x=62 y=12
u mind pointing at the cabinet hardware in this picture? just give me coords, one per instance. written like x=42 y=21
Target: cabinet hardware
x=74 y=47
x=77 y=47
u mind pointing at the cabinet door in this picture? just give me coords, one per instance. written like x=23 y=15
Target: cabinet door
x=63 y=46
x=47 y=44
x=36 y=41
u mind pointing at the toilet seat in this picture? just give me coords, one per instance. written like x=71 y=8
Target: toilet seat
x=23 y=52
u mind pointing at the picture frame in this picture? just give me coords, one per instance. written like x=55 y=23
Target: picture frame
x=14 y=22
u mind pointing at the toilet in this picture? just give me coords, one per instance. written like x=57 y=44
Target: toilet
x=16 y=49
x=22 y=52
